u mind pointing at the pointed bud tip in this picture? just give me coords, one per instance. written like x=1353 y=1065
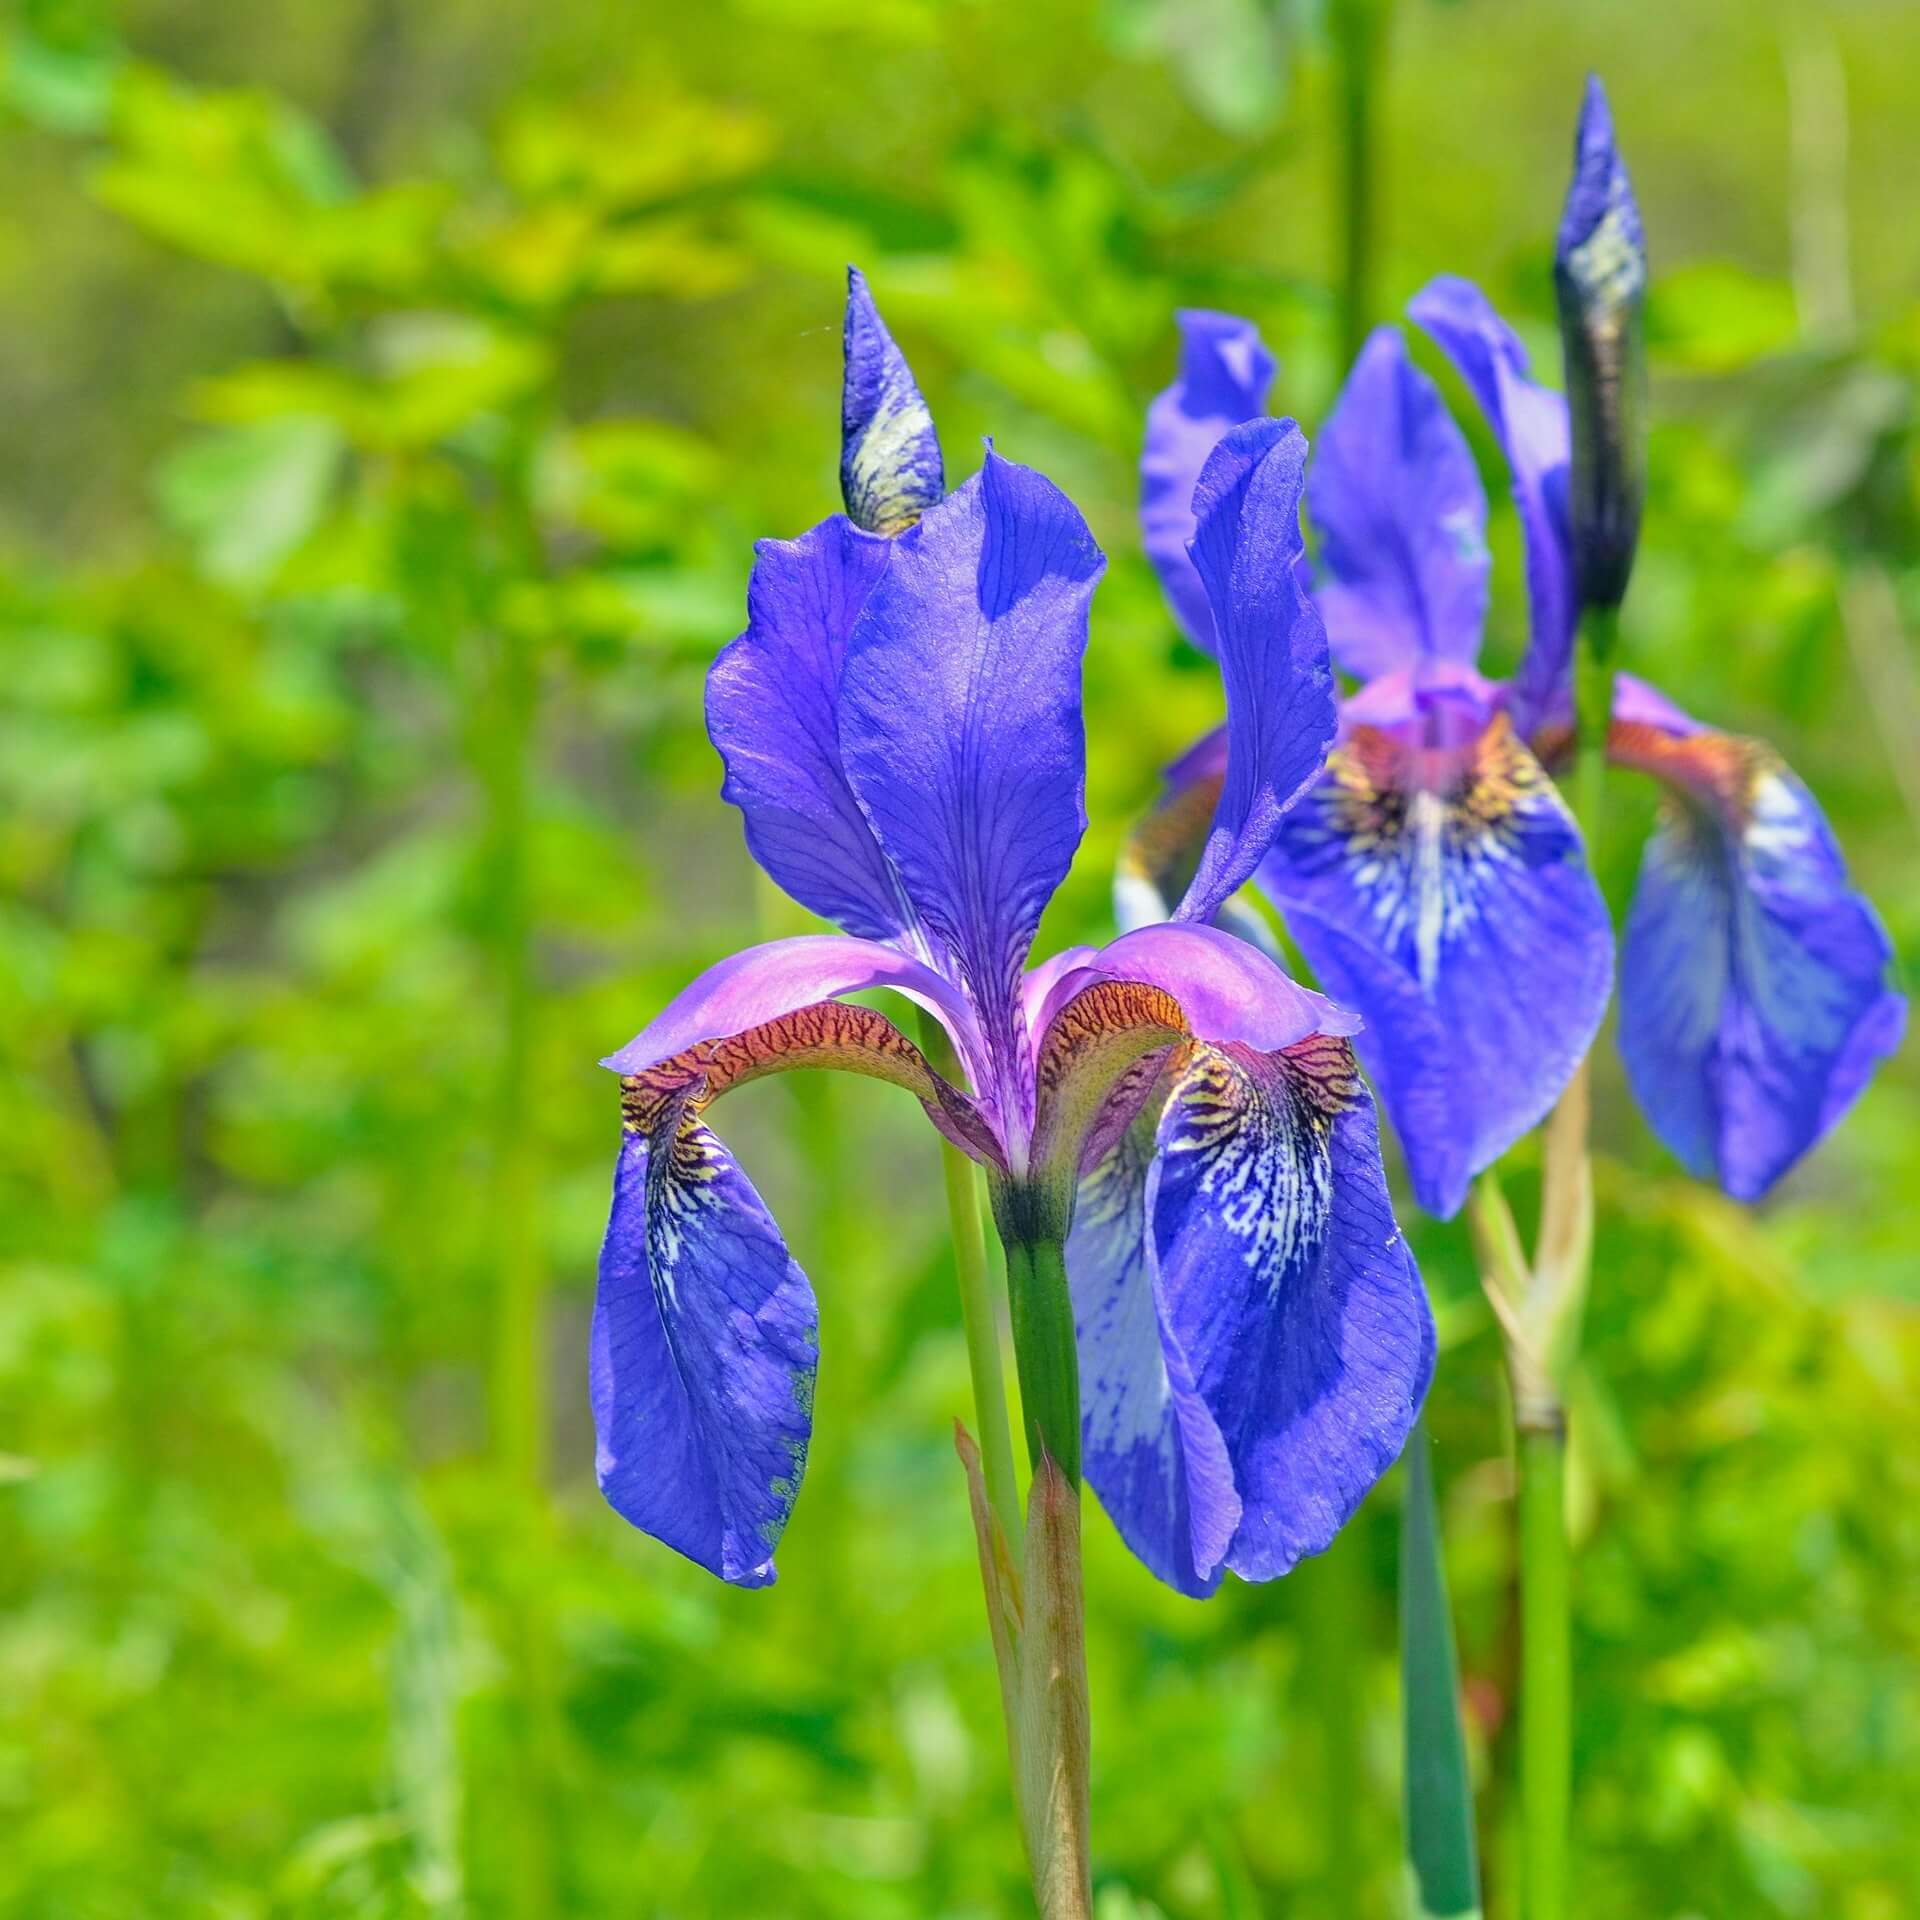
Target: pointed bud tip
x=1601 y=246
x=890 y=466
x=1600 y=281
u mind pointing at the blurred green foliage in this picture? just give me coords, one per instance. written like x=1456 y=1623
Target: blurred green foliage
x=394 y=394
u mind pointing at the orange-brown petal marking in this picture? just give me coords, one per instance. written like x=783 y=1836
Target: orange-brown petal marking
x=1103 y=1042
x=830 y=1034
x=1720 y=770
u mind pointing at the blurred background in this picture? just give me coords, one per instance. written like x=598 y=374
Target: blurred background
x=392 y=393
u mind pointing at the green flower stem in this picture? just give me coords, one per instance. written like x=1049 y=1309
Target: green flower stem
x=979 y=1316
x=979 y=1313
x=1359 y=33
x=1043 y=1344
x=1533 y=1306
x=1593 y=711
x=1546 y=1674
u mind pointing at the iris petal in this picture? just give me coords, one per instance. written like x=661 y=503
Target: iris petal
x=961 y=729
x=1754 y=1002
x=1225 y=371
x=759 y=984
x=1450 y=904
x=1272 y=649
x=1285 y=1288
x=890 y=467
x=1227 y=989
x=1396 y=500
x=1530 y=423
x=703 y=1356
x=773 y=701
x=704 y=1335
x=1149 y=1447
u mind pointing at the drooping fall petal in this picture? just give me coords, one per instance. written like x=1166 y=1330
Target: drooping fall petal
x=1445 y=896
x=1754 y=1002
x=1286 y=1288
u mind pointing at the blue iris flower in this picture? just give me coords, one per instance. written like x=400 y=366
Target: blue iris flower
x=902 y=732
x=1433 y=876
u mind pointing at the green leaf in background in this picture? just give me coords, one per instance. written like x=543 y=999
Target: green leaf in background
x=1234 y=58
x=247 y=496
x=1439 y=1795
x=1714 y=317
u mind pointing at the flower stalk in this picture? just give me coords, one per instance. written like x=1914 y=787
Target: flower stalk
x=1038 y=1623
x=1043 y=1343
x=979 y=1310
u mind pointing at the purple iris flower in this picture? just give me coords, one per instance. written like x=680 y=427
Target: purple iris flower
x=1433 y=877
x=902 y=732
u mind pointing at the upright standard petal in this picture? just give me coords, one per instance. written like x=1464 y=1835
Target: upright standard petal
x=1286 y=1290
x=1225 y=371
x=1272 y=649
x=773 y=701
x=1445 y=896
x=703 y=1356
x=1402 y=519
x=890 y=468
x=961 y=730
x=1754 y=1002
x=1530 y=422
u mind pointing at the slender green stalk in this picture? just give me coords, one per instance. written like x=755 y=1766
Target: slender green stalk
x=1537 y=1361
x=1593 y=704
x=979 y=1313
x=1044 y=1351
x=1546 y=1674
x=1359 y=30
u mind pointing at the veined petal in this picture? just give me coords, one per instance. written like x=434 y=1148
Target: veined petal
x=1754 y=1002
x=1225 y=371
x=704 y=1351
x=1272 y=649
x=1397 y=502
x=1446 y=897
x=828 y=1033
x=758 y=984
x=961 y=730
x=890 y=468
x=1149 y=1447
x=1287 y=1296
x=1530 y=423
x=703 y=1347
x=773 y=700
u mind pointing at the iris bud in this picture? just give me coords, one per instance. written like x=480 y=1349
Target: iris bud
x=890 y=467
x=1600 y=278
